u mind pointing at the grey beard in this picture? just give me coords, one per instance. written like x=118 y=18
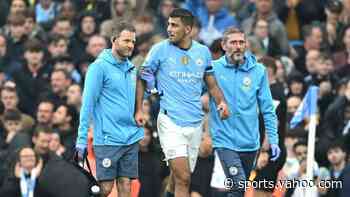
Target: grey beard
x=237 y=58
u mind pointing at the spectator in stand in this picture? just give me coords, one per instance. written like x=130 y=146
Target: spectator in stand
x=300 y=151
x=65 y=62
x=56 y=146
x=24 y=175
x=342 y=58
x=143 y=45
x=6 y=64
x=216 y=49
x=276 y=28
x=16 y=36
x=120 y=10
x=336 y=155
x=64 y=123
x=33 y=29
x=313 y=38
x=164 y=10
x=334 y=27
x=63 y=26
x=32 y=78
x=68 y=10
x=16 y=137
x=74 y=96
x=293 y=103
x=95 y=46
x=45 y=113
x=46 y=11
x=295 y=14
x=10 y=100
x=345 y=15
x=57 y=46
x=18 y=6
x=262 y=39
x=335 y=124
x=60 y=81
x=213 y=16
x=87 y=27
x=144 y=24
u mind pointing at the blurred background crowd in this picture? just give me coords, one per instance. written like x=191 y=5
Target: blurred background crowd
x=46 y=47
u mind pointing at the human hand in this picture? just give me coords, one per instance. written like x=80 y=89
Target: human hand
x=139 y=118
x=81 y=153
x=223 y=109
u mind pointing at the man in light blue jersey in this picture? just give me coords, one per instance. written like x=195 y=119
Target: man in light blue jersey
x=181 y=67
x=245 y=85
x=109 y=100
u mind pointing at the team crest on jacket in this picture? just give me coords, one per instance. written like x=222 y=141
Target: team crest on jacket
x=247 y=82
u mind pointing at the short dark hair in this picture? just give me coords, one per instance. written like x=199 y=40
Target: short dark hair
x=65 y=72
x=42 y=129
x=269 y=62
x=33 y=45
x=121 y=26
x=55 y=38
x=61 y=19
x=300 y=142
x=216 y=47
x=72 y=112
x=16 y=19
x=185 y=16
x=336 y=145
x=307 y=29
x=12 y=115
x=30 y=13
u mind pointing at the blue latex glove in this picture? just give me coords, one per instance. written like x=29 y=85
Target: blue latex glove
x=81 y=151
x=148 y=76
x=275 y=152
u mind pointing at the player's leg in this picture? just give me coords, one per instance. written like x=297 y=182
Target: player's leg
x=124 y=187
x=182 y=175
x=127 y=169
x=174 y=145
x=106 y=165
x=170 y=187
x=106 y=187
x=248 y=159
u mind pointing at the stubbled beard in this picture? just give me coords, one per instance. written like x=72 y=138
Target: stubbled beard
x=237 y=58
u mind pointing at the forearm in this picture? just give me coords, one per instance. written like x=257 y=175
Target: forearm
x=216 y=93
x=140 y=90
x=214 y=89
x=270 y=120
x=83 y=125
